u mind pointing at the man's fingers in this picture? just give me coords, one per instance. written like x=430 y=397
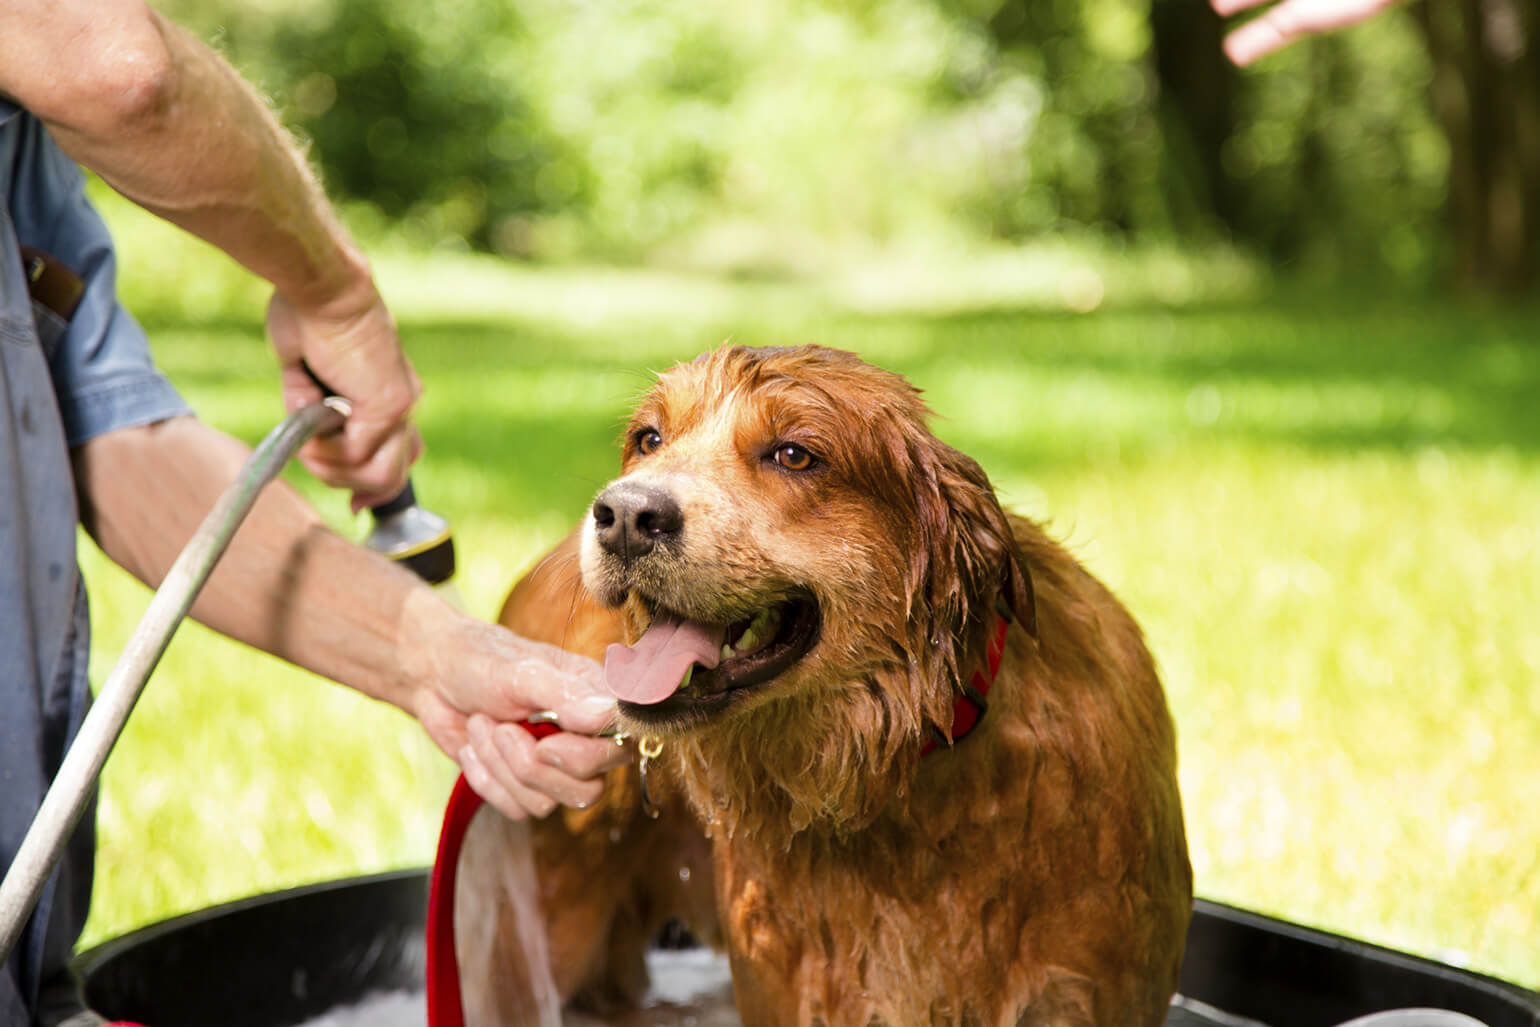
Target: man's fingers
x=490 y=669
x=299 y=389
x=378 y=420
x=381 y=477
x=517 y=747
x=504 y=760
x=1225 y=8
x=366 y=438
x=1255 y=40
x=583 y=756
x=568 y=685
x=1289 y=21
x=480 y=777
x=482 y=764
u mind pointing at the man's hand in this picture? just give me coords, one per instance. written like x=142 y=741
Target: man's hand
x=484 y=667
x=1289 y=20
x=352 y=346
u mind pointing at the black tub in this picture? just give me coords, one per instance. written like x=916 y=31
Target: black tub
x=266 y=961
x=280 y=959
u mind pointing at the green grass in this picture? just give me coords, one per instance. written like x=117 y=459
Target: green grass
x=1326 y=516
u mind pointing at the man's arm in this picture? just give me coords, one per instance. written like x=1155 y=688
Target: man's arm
x=168 y=123
x=291 y=587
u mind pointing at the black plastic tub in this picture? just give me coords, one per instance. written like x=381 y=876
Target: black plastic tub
x=280 y=959
x=268 y=961
x=1291 y=976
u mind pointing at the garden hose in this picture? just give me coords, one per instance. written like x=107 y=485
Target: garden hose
x=77 y=775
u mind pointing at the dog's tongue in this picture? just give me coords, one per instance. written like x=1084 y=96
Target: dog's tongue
x=649 y=671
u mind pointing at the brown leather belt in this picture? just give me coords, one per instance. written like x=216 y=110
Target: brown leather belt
x=51 y=283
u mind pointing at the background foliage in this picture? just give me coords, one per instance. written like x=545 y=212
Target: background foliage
x=772 y=134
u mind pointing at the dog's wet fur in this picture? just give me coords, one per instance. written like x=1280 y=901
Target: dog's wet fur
x=1034 y=872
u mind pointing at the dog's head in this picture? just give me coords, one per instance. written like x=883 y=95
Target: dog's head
x=786 y=528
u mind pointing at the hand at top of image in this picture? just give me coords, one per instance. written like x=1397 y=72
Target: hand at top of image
x=1290 y=20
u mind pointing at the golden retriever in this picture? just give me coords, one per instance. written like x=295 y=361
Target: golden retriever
x=913 y=762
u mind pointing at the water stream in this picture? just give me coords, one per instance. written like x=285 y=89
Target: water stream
x=524 y=892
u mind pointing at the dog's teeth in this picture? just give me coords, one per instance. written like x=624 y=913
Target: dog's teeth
x=684 y=682
x=760 y=628
x=727 y=652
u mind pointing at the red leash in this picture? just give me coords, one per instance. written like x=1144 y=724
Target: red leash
x=444 y=1006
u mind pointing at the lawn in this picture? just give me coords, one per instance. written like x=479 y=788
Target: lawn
x=1326 y=514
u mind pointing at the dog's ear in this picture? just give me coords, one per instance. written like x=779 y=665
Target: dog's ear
x=972 y=556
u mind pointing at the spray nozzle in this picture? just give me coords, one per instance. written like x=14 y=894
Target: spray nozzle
x=417 y=539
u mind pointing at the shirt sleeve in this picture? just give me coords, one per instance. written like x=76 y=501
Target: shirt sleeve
x=102 y=370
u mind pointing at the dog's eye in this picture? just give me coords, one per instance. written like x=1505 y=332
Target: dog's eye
x=648 y=440
x=794 y=458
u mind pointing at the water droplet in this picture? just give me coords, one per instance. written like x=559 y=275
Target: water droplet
x=684 y=874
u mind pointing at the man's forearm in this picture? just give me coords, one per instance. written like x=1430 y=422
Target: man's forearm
x=287 y=584
x=169 y=123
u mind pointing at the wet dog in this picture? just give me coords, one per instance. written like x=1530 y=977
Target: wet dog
x=910 y=763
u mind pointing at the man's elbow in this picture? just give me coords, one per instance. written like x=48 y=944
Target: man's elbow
x=141 y=91
x=127 y=87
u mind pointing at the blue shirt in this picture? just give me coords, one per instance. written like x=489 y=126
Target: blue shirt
x=60 y=386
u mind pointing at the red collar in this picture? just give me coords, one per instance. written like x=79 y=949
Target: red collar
x=969 y=708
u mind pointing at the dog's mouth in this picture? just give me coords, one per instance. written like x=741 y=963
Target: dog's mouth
x=682 y=670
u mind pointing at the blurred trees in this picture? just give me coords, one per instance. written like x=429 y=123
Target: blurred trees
x=398 y=115
x=417 y=110
x=1196 y=104
x=774 y=133
x=1326 y=155
x=1486 y=56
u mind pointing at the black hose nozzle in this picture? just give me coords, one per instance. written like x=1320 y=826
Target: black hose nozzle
x=418 y=539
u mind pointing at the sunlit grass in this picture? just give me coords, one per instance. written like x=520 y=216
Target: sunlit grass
x=1328 y=520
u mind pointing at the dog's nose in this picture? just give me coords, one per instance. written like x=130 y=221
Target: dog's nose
x=630 y=520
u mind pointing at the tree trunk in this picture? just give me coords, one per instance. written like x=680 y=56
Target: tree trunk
x=1196 y=99
x=1486 y=93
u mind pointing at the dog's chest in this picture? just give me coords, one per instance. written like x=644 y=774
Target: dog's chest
x=845 y=932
